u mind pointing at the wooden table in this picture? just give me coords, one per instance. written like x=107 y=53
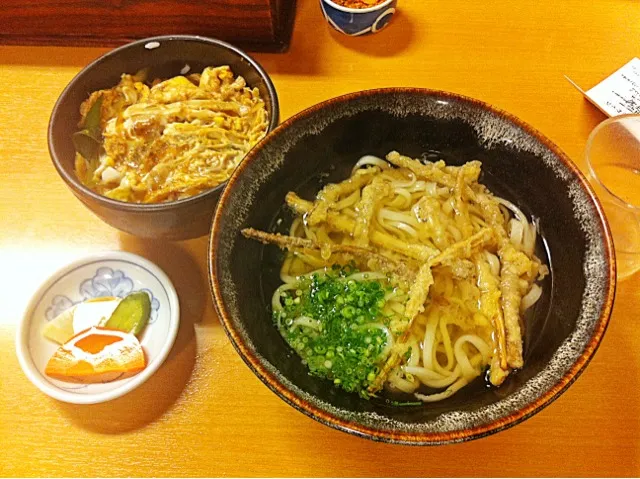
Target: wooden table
x=204 y=413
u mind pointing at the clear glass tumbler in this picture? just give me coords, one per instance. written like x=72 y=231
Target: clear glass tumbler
x=613 y=158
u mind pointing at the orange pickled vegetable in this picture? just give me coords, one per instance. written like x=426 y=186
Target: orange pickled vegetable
x=97 y=355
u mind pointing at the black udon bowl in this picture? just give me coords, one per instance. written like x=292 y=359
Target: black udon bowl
x=165 y=56
x=321 y=145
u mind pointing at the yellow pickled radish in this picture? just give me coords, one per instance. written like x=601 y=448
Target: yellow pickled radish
x=92 y=312
x=60 y=329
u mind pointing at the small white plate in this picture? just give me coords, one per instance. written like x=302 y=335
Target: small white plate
x=112 y=273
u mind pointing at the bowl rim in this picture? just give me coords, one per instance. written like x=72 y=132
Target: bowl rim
x=76 y=185
x=417 y=439
x=23 y=331
x=380 y=6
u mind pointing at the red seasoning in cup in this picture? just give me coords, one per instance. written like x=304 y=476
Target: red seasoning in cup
x=358 y=3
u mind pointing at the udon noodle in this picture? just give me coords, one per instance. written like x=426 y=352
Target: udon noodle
x=456 y=264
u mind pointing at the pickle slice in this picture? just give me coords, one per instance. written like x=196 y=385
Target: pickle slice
x=132 y=314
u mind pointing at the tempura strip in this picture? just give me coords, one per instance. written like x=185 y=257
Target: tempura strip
x=471 y=169
x=297 y=204
x=430 y=171
x=509 y=282
x=438 y=172
x=492 y=215
x=372 y=194
x=490 y=307
x=415 y=305
x=382 y=263
x=465 y=248
x=514 y=265
x=383 y=240
x=333 y=191
x=419 y=292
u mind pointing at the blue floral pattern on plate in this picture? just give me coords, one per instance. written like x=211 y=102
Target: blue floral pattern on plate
x=106 y=282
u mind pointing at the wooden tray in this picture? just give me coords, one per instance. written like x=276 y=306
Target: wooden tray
x=258 y=25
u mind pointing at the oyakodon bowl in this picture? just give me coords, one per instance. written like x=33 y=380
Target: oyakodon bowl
x=165 y=57
x=321 y=145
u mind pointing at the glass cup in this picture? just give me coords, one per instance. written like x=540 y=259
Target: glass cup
x=613 y=158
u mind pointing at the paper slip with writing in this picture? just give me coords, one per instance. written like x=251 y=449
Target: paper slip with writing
x=619 y=93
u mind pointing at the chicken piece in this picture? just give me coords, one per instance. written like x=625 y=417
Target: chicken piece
x=220 y=83
x=213 y=78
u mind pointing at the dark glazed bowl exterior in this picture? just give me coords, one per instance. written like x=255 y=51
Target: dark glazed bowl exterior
x=320 y=145
x=165 y=57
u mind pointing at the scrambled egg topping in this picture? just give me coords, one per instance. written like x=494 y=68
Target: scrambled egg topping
x=170 y=139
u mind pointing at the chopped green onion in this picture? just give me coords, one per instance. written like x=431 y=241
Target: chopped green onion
x=336 y=347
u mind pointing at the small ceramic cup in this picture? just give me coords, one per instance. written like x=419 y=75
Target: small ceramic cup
x=112 y=273
x=358 y=21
